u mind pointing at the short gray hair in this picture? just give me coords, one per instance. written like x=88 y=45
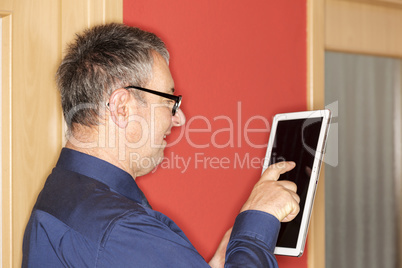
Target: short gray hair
x=100 y=60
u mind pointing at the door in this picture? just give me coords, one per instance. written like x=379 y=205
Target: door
x=369 y=27
x=34 y=34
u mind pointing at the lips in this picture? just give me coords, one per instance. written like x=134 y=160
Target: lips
x=164 y=136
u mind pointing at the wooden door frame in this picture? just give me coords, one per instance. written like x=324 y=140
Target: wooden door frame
x=315 y=101
x=72 y=16
x=6 y=182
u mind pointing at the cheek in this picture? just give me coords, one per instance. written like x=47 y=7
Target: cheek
x=163 y=122
x=136 y=131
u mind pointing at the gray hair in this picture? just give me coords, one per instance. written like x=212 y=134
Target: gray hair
x=100 y=60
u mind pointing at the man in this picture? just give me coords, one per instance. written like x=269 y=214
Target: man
x=117 y=98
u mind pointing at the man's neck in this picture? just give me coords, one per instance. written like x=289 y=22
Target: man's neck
x=89 y=143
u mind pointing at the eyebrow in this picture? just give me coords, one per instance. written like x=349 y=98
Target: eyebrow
x=172 y=90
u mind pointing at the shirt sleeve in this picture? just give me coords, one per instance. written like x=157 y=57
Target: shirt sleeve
x=253 y=239
x=143 y=240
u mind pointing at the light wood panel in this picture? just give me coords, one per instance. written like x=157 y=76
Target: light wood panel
x=6 y=138
x=36 y=120
x=78 y=15
x=363 y=28
x=315 y=100
x=34 y=35
x=387 y=3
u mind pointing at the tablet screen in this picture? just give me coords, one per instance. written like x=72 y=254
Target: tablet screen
x=296 y=140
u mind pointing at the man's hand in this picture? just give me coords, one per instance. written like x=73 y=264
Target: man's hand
x=277 y=198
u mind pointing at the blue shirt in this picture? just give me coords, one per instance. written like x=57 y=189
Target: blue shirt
x=90 y=213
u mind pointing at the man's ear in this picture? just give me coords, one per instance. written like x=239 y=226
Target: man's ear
x=118 y=107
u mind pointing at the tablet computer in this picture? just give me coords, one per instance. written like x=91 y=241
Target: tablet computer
x=299 y=137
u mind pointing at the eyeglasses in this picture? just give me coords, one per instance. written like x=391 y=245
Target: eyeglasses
x=177 y=99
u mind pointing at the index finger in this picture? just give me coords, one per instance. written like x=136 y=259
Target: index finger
x=275 y=170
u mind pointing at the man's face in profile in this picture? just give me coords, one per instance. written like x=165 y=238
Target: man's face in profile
x=158 y=119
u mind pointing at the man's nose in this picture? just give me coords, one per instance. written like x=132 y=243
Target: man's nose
x=179 y=118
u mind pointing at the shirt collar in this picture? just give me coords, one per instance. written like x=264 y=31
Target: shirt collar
x=117 y=179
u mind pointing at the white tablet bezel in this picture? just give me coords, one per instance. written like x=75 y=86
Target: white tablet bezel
x=318 y=155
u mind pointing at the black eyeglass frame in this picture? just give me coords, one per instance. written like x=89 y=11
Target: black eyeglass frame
x=177 y=99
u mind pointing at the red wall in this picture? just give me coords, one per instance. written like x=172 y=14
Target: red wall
x=236 y=63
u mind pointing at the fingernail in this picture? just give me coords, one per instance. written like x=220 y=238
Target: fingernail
x=292 y=163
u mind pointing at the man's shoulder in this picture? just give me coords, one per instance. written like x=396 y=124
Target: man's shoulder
x=84 y=204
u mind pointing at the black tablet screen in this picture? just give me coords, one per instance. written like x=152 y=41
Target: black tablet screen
x=296 y=140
